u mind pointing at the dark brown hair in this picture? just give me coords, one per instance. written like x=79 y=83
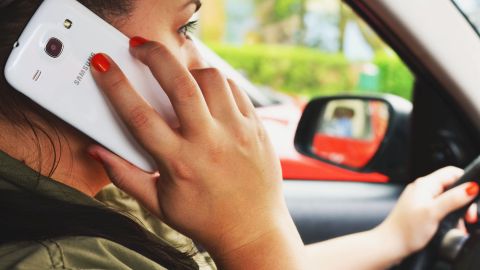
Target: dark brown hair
x=33 y=217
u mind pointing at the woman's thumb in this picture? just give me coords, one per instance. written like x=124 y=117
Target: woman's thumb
x=140 y=185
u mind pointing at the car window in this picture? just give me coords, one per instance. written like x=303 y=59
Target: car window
x=303 y=48
x=471 y=11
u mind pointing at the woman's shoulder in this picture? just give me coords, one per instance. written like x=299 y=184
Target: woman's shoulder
x=117 y=199
x=72 y=253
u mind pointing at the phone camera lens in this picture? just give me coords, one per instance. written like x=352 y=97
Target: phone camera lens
x=54 y=47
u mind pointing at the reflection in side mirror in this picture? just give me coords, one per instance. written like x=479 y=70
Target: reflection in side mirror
x=359 y=133
x=349 y=131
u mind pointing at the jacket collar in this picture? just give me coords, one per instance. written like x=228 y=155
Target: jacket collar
x=16 y=176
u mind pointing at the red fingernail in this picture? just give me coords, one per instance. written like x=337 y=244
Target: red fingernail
x=100 y=63
x=137 y=41
x=472 y=189
x=472 y=219
x=94 y=156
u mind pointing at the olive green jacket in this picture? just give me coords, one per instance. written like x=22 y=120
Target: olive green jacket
x=81 y=252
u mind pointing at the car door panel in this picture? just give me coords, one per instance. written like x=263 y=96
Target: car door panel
x=324 y=210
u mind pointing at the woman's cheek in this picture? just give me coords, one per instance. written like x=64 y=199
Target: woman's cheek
x=184 y=50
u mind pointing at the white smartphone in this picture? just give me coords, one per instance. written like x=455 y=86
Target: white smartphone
x=50 y=64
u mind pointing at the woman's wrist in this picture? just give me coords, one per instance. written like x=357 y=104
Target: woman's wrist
x=261 y=245
x=391 y=236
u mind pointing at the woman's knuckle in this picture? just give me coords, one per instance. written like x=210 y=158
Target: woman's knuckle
x=216 y=153
x=157 y=50
x=117 y=178
x=411 y=186
x=208 y=75
x=458 y=200
x=181 y=170
x=262 y=134
x=153 y=52
x=243 y=138
x=116 y=81
x=187 y=89
x=213 y=74
x=451 y=168
x=420 y=180
x=232 y=83
x=138 y=117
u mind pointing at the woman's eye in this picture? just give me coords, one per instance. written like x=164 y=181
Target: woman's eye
x=188 y=28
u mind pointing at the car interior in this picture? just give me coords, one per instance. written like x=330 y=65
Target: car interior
x=442 y=129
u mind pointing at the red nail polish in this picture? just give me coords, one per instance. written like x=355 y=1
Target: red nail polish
x=472 y=189
x=137 y=41
x=100 y=63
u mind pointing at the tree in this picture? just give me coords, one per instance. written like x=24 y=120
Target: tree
x=275 y=15
x=347 y=15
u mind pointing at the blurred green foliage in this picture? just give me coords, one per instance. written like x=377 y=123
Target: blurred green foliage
x=285 y=8
x=395 y=77
x=280 y=9
x=309 y=72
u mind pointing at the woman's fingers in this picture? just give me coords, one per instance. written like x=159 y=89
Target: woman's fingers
x=456 y=198
x=472 y=214
x=243 y=102
x=448 y=175
x=453 y=199
x=142 y=120
x=438 y=181
x=140 y=185
x=179 y=85
x=217 y=93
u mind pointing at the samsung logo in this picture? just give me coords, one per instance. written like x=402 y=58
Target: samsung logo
x=84 y=70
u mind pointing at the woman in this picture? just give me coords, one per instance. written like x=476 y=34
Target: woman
x=219 y=180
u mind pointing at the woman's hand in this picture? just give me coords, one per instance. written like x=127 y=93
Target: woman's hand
x=220 y=180
x=410 y=226
x=422 y=206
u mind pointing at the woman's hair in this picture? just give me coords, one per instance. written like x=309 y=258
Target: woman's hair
x=33 y=217
x=16 y=109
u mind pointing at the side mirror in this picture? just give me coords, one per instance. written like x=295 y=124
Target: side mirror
x=360 y=133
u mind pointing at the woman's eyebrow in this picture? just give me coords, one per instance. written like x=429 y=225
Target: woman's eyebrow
x=197 y=3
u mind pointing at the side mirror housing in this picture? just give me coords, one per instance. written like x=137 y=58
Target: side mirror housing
x=360 y=133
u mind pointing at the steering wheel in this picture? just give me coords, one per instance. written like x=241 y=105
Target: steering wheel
x=429 y=256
